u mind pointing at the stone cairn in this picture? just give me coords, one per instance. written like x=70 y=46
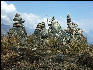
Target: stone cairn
x=72 y=31
x=55 y=30
x=72 y=27
x=54 y=27
x=18 y=29
x=41 y=31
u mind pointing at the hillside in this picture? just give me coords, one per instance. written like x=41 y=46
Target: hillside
x=52 y=49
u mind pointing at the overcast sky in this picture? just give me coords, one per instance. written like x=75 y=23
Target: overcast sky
x=34 y=12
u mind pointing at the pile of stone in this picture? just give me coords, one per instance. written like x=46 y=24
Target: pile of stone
x=41 y=31
x=43 y=35
x=56 y=32
x=18 y=29
x=54 y=28
x=72 y=28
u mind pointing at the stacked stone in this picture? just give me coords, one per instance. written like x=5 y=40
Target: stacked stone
x=55 y=29
x=72 y=31
x=18 y=29
x=72 y=28
x=40 y=31
x=52 y=30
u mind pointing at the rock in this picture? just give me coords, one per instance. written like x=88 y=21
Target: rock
x=54 y=28
x=85 y=60
x=41 y=31
x=59 y=58
x=18 y=29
